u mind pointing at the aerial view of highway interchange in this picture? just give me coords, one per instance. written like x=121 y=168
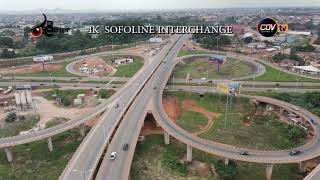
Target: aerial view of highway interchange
x=161 y=90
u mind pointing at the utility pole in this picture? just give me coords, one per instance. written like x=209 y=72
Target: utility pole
x=254 y=83
x=226 y=112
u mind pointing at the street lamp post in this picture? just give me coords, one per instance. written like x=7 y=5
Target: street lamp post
x=14 y=76
x=51 y=84
x=172 y=83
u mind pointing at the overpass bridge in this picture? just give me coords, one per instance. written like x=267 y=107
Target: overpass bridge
x=122 y=124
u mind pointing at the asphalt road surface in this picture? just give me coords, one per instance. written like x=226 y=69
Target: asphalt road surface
x=87 y=156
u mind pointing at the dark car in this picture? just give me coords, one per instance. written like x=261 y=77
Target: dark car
x=294 y=153
x=210 y=81
x=117 y=106
x=313 y=122
x=155 y=87
x=125 y=147
x=244 y=153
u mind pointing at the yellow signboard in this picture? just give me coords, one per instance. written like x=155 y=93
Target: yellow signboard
x=221 y=87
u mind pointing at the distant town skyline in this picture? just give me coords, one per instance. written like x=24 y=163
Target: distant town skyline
x=102 y=5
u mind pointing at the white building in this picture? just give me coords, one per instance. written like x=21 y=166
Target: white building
x=258 y=45
x=123 y=61
x=42 y=58
x=311 y=70
x=155 y=40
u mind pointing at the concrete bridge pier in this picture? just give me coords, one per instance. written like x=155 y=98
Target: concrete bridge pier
x=50 y=146
x=269 y=107
x=281 y=111
x=82 y=131
x=269 y=171
x=226 y=161
x=302 y=167
x=9 y=154
x=189 y=153
x=166 y=138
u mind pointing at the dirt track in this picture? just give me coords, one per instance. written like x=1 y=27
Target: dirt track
x=192 y=105
x=172 y=108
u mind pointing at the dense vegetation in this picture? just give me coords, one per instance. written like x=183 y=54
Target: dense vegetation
x=226 y=172
x=304 y=48
x=309 y=100
x=293 y=56
x=211 y=41
x=65 y=97
x=104 y=93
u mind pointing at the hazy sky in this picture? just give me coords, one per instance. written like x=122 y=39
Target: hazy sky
x=9 y=5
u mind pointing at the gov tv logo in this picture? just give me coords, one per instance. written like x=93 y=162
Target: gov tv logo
x=268 y=27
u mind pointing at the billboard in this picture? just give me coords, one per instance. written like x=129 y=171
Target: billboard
x=232 y=88
x=223 y=88
x=216 y=59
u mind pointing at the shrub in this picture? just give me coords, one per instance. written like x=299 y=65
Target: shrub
x=11 y=117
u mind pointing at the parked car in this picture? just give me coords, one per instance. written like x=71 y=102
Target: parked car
x=294 y=153
x=113 y=155
x=125 y=146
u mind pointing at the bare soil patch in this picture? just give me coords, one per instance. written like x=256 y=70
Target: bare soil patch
x=171 y=107
x=34 y=68
x=204 y=169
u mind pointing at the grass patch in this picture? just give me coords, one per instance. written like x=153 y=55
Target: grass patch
x=184 y=52
x=57 y=73
x=34 y=161
x=147 y=163
x=191 y=121
x=198 y=67
x=14 y=128
x=272 y=74
x=266 y=132
x=125 y=70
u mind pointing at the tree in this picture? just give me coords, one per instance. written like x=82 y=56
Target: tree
x=295 y=57
x=103 y=93
x=11 y=117
x=304 y=48
x=211 y=41
x=248 y=40
x=6 y=42
x=226 y=172
x=8 y=54
x=67 y=100
x=26 y=32
x=279 y=57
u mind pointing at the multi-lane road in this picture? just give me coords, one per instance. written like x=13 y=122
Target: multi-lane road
x=87 y=156
x=123 y=118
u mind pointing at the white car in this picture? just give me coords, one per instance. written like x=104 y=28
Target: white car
x=294 y=108
x=113 y=155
